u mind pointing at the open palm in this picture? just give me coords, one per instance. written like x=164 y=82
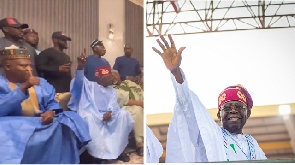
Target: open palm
x=170 y=55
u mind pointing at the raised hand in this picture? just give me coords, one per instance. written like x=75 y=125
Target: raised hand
x=170 y=55
x=31 y=81
x=82 y=60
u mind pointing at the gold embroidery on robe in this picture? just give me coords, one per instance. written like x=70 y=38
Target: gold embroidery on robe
x=31 y=104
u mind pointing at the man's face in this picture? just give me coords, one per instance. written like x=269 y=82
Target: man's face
x=106 y=80
x=19 y=68
x=14 y=32
x=233 y=116
x=100 y=50
x=32 y=39
x=128 y=50
x=62 y=43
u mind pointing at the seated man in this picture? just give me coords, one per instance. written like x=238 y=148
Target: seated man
x=34 y=130
x=130 y=98
x=96 y=103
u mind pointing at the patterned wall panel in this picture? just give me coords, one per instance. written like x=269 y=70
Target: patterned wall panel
x=134 y=29
x=77 y=18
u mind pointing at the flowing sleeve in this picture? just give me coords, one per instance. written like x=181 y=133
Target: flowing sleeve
x=192 y=130
x=51 y=103
x=154 y=149
x=80 y=94
x=10 y=103
x=183 y=131
x=86 y=69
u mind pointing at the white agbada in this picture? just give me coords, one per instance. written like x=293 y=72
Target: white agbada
x=154 y=149
x=193 y=135
x=91 y=101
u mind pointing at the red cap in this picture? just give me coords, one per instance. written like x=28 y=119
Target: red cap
x=103 y=70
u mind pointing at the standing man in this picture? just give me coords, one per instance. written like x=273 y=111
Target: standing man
x=94 y=61
x=32 y=38
x=13 y=35
x=193 y=136
x=126 y=65
x=55 y=66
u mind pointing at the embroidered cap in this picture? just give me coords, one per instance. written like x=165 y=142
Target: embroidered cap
x=235 y=93
x=103 y=70
x=96 y=42
x=13 y=52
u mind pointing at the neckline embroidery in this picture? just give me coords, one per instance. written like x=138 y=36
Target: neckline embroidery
x=250 y=144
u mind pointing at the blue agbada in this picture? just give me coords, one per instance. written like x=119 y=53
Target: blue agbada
x=91 y=101
x=26 y=140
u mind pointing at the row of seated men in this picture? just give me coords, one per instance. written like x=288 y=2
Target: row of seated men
x=100 y=114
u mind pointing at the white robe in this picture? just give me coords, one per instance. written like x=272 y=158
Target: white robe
x=154 y=149
x=91 y=101
x=193 y=135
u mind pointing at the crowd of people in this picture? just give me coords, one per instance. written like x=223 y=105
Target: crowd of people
x=50 y=116
x=51 y=111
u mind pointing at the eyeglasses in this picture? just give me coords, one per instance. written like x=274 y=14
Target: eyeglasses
x=237 y=107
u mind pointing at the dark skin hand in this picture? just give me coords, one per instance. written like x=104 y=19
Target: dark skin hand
x=30 y=82
x=47 y=117
x=64 y=68
x=82 y=60
x=107 y=116
x=171 y=57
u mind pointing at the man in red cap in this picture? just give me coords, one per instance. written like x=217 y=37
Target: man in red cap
x=32 y=38
x=96 y=102
x=55 y=67
x=13 y=35
x=193 y=136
